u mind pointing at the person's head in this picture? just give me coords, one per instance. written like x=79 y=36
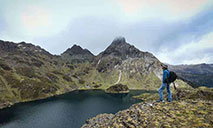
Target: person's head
x=164 y=67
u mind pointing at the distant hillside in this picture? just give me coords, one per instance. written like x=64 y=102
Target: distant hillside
x=28 y=72
x=198 y=75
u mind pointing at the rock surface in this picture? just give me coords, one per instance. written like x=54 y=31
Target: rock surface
x=176 y=114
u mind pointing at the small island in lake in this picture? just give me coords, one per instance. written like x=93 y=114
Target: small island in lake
x=117 y=88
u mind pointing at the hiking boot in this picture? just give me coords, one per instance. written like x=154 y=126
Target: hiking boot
x=169 y=100
x=160 y=101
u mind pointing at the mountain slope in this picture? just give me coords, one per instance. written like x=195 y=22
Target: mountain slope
x=198 y=75
x=123 y=63
x=28 y=72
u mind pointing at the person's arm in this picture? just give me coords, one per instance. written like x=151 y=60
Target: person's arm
x=164 y=76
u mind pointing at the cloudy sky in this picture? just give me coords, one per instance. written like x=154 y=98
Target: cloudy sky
x=175 y=31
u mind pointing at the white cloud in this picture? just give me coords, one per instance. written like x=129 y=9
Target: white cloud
x=190 y=53
x=28 y=19
x=163 y=9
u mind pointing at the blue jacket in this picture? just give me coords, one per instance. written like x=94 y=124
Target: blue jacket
x=165 y=73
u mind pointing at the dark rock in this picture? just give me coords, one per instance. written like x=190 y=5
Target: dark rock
x=67 y=78
x=118 y=88
x=6 y=46
x=97 y=86
x=4 y=66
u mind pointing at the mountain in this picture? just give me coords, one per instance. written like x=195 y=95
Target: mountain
x=76 y=54
x=28 y=72
x=122 y=63
x=198 y=75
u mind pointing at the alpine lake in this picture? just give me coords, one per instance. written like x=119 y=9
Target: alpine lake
x=69 y=110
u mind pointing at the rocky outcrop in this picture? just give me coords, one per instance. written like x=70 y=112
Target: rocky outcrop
x=120 y=48
x=123 y=50
x=118 y=88
x=101 y=119
x=188 y=111
x=175 y=114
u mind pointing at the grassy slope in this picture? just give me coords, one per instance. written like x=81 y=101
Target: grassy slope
x=30 y=77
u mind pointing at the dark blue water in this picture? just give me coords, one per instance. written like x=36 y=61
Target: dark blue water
x=66 y=111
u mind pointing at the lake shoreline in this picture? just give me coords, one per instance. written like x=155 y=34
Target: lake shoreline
x=73 y=108
x=10 y=104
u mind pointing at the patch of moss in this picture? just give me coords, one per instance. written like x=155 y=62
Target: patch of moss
x=26 y=71
x=32 y=89
x=36 y=62
x=5 y=66
x=52 y=77
x=81 y=81
x=57 y=72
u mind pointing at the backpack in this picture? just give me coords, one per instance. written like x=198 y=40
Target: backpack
x=172 y=76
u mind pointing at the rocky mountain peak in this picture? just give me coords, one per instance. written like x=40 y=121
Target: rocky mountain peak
x=77 y=54
x=10 y=47
x=120 y=48
x=7 y=46
x=77 y=50
x=119 y=40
